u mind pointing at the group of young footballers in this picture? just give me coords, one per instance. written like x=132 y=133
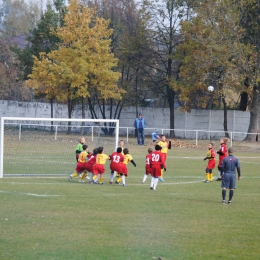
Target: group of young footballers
x=93 y=163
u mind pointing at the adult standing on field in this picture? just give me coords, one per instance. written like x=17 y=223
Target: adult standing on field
x=229 y=166
x=140 y=125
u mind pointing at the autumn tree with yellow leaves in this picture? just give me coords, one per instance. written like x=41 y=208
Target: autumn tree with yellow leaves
x=83 y=62
x=212 y=53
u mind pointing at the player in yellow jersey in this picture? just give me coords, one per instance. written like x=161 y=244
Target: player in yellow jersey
x=98 y=168
x=82 y=158
x=165 y=144
x=78 y=150
x=127 y=158
x=211 y=155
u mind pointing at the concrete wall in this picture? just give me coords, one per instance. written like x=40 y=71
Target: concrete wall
x=206 y=124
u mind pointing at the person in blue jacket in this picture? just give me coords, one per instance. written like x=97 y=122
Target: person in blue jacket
x=140 y=125
x=155 y=136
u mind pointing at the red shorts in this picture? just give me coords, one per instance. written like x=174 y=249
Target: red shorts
x=81 y=167
x=156 y=170
x=220 y=161
x=163 y=157
x=89 y=167
x=148 y=169
x=211 y=164
x=116 y=167
x=124 y=169
x=98 y=168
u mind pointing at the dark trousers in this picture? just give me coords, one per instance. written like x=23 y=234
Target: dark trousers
x=140 y=135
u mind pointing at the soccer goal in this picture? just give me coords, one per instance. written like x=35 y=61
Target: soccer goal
x=46 y=146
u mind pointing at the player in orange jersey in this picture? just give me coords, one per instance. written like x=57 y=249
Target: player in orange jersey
x=127 y=158
x=98 y=168
x=82 y=158
x=165 y=144
x=211 y=162
x=89 y=165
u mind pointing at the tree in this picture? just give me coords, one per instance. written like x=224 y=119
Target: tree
x=83 y=62
x=165 y=21
x=250 y=22
x=223 y=43
x=212 y=53
x=11 y=84
x=18 y=17
x=129 y=40
x=41 y=39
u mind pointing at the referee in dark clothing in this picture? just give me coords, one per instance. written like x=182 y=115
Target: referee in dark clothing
x=229 y=164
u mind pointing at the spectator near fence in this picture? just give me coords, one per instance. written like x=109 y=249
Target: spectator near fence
x=140 y=125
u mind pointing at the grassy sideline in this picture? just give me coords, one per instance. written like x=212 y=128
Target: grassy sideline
x=50 y=218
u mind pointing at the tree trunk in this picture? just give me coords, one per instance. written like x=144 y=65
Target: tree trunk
x=244 y=98
x=51 y=101
x=91 y=109
x=243 y=101
x=171 y=98
x=254 y=113
x=70 y=108
x=225 y=117
x=83 y=114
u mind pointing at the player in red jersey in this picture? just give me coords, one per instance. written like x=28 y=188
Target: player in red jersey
x=117 y=159
x=222 y=152
x=157 y=164
x=211 y=163
x=148 y=169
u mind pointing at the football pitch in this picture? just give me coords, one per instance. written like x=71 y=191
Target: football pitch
x=48 y=217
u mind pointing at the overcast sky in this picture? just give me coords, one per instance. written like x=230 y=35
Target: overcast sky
x=43 y=2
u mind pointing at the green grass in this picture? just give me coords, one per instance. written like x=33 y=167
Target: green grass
x=51 y=218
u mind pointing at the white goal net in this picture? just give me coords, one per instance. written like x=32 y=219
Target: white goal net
x=46 y=146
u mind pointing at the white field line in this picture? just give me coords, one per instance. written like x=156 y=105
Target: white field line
x=29 y=194
x=86 y=183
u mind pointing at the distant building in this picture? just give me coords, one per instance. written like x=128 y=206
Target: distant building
x=19 y=40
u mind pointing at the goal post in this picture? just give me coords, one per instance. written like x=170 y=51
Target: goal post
x=46 y=146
